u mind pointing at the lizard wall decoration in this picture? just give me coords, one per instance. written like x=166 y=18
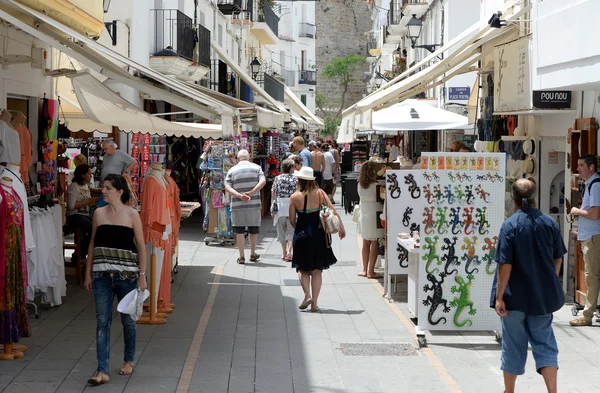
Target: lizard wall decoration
x=427 y=176
x=455 y=222
x=460 y=177
x=402 y=256
x=450 y=256
x=406 y=216
x=482 y=223
x=431 y=247
x=467 y=221
x=428 y=193
x=435 y=176
x=483 y=194
x=459 y=193
x=441 y=223
x=490 y=256
x=414 y=228
x=469 y=257
x=429 y=222
x=463 y=300
x=436 y=299
x=415 y=191
x=449 y=194
x=467 y=177
x=451 y=177
x=469 y=196
x=394 y=187
x=437 y=193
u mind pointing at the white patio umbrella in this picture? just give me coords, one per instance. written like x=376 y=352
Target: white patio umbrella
x=416 y=115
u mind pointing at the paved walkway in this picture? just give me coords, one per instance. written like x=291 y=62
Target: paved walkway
x=238 y=329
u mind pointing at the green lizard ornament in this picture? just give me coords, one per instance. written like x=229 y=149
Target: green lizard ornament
x=431 y=247
x=462 y=301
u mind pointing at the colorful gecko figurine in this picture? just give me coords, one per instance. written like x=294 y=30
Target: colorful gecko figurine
x=394 y=187
x=467 y=177
x=437 y=298
x=431 y=247
x=483 y=194
x=406 y=216
x=463 y=300
x=449 y=194
x=482 y=221
x=415 y=191
x=441 y=223
x=490 y=245
x=437 y=192
x=455 y=220
x=451 y=177
x=450 y=256
x=460 y=177
x=428 y=193
x=459 y=193
x=428 y=221
x=469 y=257
x=468 y=220
x=469 y=194
x=435 y=176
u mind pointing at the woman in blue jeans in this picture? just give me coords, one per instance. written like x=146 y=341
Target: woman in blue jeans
x=116 y=257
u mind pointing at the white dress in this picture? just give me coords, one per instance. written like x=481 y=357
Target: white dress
x=370 y=210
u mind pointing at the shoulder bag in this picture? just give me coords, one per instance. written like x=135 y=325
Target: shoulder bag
x=329 y=218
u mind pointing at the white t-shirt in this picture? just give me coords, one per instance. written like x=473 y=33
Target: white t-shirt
x=329 y=162
x=10 y=144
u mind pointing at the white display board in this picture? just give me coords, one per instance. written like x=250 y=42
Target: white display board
x=404 y=213
x=463 y=210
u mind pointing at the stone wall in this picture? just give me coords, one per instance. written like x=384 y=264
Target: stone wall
x=341 y=27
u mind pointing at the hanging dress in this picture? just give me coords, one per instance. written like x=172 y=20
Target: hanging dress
x=14 y=319
x=311 y=244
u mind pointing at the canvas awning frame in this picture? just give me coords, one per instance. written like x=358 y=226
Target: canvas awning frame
x=301 y=109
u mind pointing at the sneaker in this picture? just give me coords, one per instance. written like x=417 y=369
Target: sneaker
x=581 y=321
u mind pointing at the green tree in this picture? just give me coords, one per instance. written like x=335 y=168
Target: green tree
x=343 y=69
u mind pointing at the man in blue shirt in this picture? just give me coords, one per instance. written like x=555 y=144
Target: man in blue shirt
x=302 y=151
x=526 y=289
x=588 y=233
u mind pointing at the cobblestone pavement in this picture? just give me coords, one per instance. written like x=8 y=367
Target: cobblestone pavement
x=238 y=329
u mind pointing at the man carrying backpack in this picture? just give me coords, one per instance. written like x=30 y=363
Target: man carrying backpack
x=589 y=234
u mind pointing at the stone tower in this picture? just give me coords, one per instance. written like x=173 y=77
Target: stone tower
x=341 y=28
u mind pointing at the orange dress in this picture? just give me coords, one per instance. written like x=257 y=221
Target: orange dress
x=155 y=213
x=26 y=152
x=175 y=211
x=164 y=292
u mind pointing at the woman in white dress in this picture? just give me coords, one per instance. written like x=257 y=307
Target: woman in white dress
x=369 y=216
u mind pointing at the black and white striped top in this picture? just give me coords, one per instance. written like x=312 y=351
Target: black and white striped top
x=114 y=249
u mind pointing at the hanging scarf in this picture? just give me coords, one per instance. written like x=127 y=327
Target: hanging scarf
x=4 y=221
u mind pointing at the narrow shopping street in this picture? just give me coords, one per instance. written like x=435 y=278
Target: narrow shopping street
x=238 y=329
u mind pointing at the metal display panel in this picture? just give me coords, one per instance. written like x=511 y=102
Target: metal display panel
x=404 y=213
x=463 y=211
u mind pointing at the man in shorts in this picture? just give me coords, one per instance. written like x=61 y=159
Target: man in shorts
x=244 y=182
x=318 y=161
x=328 y=171
x=526 y=289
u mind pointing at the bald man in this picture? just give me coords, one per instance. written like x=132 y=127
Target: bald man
x=318 y=161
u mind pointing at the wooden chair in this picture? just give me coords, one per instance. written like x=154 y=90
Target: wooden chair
x=76 y=247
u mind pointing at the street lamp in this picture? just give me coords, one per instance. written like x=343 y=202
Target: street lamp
x=255 y=67
x=378 y=79
x=106 y=4
x=414 y=27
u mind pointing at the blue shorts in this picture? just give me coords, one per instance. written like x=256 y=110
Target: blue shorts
x=519 y=329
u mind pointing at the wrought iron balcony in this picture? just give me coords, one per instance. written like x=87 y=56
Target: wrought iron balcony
x=230 y=7
x=372 y=42
x=308 y=78
x=273 y=87
x=308 y=30
x=395 y=12
x=203 y=46
x=173 y=34
x=270 y=18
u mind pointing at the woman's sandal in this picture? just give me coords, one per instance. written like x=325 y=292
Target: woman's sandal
x=377 y=276
x=126 y=372
x=241 y=260
x=99 y=379
x=305 y=304
x=315 y=309
x=254 y=257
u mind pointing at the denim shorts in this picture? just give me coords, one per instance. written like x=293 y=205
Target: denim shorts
x=519 y=330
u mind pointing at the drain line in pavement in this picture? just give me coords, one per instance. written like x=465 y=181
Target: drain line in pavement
x=185 y=381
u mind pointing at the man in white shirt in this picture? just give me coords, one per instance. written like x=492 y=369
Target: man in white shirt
x=328 y=172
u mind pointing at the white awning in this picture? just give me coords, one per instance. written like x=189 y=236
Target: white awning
x=461 y=60
x=249 y=81
x=416 y=115
x=346 y=129
x=269 y=119
x=296 y=104
x=107 y=62
x=102 y=105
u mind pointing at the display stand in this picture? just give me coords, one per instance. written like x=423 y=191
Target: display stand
x=152 y=317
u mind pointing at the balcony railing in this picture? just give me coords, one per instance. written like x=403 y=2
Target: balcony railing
x=270 y=18
x=230 y=7
x=173 y=34
x=308 y=78
x=273 y=87
x=289 y=76
x=308 y=30
x=372 y=41
x=395 y=12
x=203 y=46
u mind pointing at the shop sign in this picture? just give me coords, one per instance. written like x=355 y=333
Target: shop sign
x=512 y=76
x=459 y=93
x=559 y=99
